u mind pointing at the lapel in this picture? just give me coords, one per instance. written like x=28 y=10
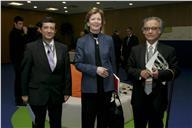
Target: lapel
x=101 y=43
x=58 y=53
x=159 y=48
x=143 y=52
x=104 y=43
x=90 y=46
x=43 y=55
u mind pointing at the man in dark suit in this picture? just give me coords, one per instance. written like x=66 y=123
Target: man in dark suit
x=46 y=76
x=129 y=41
x=117 y=45
x=17 y=39
x=150 y=88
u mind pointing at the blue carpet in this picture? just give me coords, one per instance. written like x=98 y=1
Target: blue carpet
x=181 y=106
x=7 y=95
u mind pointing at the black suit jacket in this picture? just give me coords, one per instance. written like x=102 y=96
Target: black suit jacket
x=136 y=63
x=127 y=48
x=38 y=81
x=17 y=40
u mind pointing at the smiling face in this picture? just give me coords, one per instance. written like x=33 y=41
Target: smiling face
x=95 y=20
x=48 y=31
x=152 y=30
x=95 y=23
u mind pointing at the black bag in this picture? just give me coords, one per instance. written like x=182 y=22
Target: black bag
x=116 y=118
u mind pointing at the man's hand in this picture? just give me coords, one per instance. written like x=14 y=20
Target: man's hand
x=145 y=74
x=25 y=99
x=155 y=73
x=66 y=98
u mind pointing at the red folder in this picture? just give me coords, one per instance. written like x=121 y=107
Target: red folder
x=116 y=83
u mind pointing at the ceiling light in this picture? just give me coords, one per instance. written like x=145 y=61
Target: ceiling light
x=65 y=7
x=52 y=9
x=64 y=2
x=94 y=7
x=29 y=2
x=34 y=6
x=66 y=11
x=130 y=4
x=97 y=2
x=15 y=4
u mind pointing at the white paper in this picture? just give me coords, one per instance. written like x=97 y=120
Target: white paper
x=32 y=115
x=163 y=65
x=150 y=63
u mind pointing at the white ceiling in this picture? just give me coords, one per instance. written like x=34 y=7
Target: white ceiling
x=75 y=7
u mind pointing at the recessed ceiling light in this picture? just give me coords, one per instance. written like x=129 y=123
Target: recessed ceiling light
x=52 y=9
x=15 y=3
x=64 y=2
x=65 y=7
x=29 y=2
x=130 y=4
x=66 y=11
x=97 y=2
x=34 y=6
x=94 y=7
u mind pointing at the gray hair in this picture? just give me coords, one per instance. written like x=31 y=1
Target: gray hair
x=154 y=18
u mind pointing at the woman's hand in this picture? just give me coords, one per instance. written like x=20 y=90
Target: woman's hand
x=103 y=72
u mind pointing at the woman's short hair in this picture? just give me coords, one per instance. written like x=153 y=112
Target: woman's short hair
x=92 y=11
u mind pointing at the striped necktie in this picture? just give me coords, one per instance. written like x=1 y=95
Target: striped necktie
x=150 y=52
x=50 y=56
x=148 y=82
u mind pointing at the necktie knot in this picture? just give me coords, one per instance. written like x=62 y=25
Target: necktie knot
x=50 y=47
x=150 y=48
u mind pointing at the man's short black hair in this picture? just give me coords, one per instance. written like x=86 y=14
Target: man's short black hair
x=47 y=19
x=18 y=18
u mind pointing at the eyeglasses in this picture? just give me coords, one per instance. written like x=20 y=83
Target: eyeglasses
x=151 y=28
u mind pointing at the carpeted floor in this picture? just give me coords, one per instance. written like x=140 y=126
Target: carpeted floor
x=180 y=113
x=22 y=119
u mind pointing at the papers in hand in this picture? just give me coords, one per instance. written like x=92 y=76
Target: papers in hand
x=116 y=83
x=150 y=63
x=157 y=61
x=31 y=113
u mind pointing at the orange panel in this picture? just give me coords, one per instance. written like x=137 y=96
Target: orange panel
x=76 y=81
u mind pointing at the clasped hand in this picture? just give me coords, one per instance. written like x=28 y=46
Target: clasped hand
x=146 y=73
x=103 y=72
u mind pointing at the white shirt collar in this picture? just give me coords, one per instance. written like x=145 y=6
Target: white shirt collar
x=51 y=44
x=153 y=45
